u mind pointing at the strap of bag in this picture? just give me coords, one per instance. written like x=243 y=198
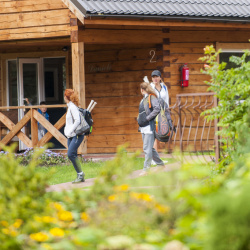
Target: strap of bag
x=149 y=101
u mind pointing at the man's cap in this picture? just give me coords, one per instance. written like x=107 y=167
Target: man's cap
x=156 y=73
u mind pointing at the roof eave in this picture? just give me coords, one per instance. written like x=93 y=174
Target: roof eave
x=179 y=18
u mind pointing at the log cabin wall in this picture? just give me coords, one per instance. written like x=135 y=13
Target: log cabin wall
x=29 y=19
x=116 y=60
x=185 y=45
x=113 y=76
x=114 y=71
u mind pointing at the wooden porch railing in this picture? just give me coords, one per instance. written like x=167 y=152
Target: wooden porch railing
x=33 y=116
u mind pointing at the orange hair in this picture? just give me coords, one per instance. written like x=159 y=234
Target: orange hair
x=72 y=96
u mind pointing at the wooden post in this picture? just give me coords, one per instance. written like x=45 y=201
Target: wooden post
x=78 y=77
x=34 y=129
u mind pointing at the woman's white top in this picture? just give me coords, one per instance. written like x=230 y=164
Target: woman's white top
x=147 y=129
x=72 y=120
x=163 y=93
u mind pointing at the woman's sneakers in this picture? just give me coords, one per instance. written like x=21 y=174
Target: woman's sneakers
x=79 y=178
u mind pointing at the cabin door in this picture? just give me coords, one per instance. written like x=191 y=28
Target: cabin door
x=30 y=85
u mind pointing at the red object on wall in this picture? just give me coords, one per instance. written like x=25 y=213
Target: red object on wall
x=184 y=75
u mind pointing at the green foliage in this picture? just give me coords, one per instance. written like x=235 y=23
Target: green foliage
x=229 y=210
x=110 y=215
x=191 y=204
x=229 y=219
x=232 y=88
x=21 y=194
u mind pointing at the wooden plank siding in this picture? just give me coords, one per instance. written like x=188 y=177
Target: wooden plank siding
x=186 y=46
x=114 y=71
x=31 y=20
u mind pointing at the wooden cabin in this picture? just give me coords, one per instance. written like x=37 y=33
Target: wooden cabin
x=103 y=49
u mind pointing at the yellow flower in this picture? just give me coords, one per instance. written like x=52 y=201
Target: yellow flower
x=39 y=237
x=146 y=197
x=141 y=196
x=65 y=216
x=10 y=232
x=162 y=209
x=57 y=206
x=57 y=232
x=112 y=197
x=4 y=223
x=18 y=223
x=48 y=219
x=85 y=217
x=121 y=188
x=5 y=230
x=13 y=233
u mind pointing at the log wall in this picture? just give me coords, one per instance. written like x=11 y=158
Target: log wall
x=113 y=76
x=33 y=19
x=114 y=71
x=186 y=46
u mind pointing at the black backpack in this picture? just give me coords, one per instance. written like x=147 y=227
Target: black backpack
x=86 y=123
x=88 y=118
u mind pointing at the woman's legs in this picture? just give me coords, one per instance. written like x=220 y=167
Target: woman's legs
x=73 y=145
x=148 y=142
x=157 y=158
x=150 y=152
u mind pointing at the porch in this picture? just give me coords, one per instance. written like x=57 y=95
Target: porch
x=191 y=132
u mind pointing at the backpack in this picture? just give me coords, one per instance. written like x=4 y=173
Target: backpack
x=162 y=130
x=141 y=118
x=86 y=122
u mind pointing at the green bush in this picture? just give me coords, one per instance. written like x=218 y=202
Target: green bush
x=232 y=88
x=110 y=214
x=21 y=197
x=229 y=218
x=188 y=205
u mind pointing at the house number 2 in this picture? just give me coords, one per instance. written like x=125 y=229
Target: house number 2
x=152 y=54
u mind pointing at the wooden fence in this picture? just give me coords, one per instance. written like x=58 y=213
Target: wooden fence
x=34 y=117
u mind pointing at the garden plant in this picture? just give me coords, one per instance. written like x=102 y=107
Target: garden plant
x=198 y=206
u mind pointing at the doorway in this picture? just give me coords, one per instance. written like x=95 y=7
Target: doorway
x=37 y=79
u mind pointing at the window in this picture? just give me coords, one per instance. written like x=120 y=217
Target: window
x=228 y=50
x=12 y=83
x=224 y=57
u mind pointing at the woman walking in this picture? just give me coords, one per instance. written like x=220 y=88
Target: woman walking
x=72 y=122
x=149 y=108
x=160 y=89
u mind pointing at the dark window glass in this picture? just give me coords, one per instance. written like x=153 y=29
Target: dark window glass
x=12 y=83
x=224 y=57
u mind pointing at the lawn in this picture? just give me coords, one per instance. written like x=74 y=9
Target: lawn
x=66 y=173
